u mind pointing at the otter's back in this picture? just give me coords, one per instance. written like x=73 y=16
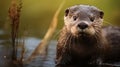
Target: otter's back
x=113 y=38
x=113 y=35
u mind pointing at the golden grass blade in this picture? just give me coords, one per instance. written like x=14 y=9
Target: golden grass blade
x=42 y=47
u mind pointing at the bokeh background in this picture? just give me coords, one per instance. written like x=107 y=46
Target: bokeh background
x=36 y=15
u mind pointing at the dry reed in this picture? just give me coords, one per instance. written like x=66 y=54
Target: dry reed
x=14 y=15
x=42 y=47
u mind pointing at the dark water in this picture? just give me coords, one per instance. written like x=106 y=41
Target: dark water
x=30 y=44
x=39 y=61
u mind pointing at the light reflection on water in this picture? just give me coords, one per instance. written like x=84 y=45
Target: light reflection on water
x=39 y=61
x=30 y=44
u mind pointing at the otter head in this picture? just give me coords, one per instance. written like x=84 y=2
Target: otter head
x=83 y=20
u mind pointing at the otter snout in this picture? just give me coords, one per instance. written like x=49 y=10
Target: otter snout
x=82 y=28
x=82 y=25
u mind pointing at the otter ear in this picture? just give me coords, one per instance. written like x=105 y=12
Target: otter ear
x=66 y=12
x=101 y=14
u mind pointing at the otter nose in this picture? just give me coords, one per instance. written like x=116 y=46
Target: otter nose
x=82 y=25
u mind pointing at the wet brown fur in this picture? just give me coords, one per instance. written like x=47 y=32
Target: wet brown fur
x=77 y=50
x=85 y=49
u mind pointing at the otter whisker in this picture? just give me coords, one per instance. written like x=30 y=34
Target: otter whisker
x=80 y=40
x=108 y=23
x=56 y=34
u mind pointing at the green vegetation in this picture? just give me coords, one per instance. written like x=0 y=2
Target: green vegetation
x=36 y=15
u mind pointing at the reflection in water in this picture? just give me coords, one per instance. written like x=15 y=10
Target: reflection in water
x=39 y=61
x=87 y=66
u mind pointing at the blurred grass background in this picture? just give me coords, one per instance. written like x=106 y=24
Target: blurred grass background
x=36 y=15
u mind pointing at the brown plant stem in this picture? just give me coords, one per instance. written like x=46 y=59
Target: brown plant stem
x=42 y=47
x=14 y=15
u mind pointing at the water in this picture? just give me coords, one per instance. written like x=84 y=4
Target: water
x=39 y=61
x=30 y=44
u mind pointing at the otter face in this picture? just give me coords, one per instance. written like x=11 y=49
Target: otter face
x=83 y=20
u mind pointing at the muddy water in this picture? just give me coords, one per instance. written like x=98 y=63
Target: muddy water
x=30 y=44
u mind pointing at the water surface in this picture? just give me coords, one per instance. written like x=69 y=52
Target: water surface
x=39 y=61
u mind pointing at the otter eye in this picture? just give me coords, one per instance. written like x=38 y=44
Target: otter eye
x=74 y=18
x=92 y=19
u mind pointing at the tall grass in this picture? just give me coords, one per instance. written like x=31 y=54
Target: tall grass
x=14 y=15
x=43 y=45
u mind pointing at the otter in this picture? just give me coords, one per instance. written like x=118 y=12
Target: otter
x=112 y=34
x=82 y=39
